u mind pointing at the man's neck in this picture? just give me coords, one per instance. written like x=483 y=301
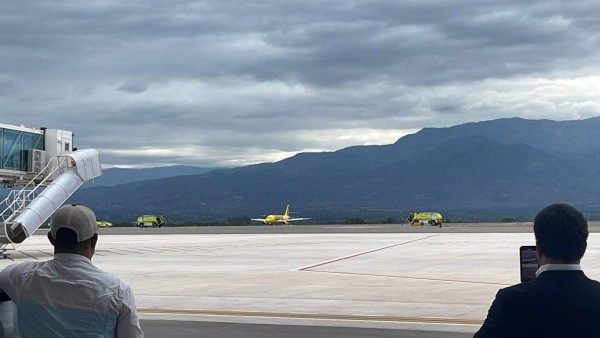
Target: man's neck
x=548 y=260
x=85 y=254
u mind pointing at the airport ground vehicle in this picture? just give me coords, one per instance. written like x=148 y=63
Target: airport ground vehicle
x=155 y=221
x=104 y=224
x=421 y=218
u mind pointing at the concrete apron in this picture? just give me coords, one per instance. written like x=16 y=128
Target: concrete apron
x=421 y=281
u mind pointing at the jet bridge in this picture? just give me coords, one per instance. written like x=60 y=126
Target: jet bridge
x=75 y=169
x=50 y=170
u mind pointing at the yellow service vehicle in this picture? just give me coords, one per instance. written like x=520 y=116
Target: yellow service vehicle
x=421 y=218
x=103 y=224
x=155 y=221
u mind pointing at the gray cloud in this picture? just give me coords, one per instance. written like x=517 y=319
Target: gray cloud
x=236 y=82
x=133 y=87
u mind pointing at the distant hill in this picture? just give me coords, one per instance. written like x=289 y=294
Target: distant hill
x=114 y=176
x=474 y=171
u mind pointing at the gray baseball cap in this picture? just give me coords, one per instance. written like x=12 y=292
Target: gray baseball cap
x=76 y=217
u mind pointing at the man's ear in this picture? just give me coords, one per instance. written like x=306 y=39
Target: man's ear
x=51 y=239
x=94 y=240
x=538 y=249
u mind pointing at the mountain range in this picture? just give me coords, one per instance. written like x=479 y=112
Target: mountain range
x=114 y=176
x=475 y=171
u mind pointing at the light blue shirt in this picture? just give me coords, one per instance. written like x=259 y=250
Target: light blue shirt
x=69 y=297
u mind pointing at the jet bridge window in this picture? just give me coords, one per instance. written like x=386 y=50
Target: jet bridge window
x=33 y=141
x=15 y=146
x=30 y=142
x=11 y=150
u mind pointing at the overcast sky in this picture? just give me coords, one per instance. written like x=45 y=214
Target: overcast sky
x=234 y=82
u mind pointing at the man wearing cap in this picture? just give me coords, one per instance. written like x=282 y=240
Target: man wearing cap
x=561 y=301
x=68 y=296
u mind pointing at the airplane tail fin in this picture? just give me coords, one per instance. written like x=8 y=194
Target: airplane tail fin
x=287 y=210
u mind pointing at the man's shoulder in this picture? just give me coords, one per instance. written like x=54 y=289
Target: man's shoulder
x=517 y=290
x=22 y=267
x=76 y=266
x=549 y=281
x=565 y=277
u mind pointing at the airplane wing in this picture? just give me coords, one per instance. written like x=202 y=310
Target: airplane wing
x=297 y=219
x=258 y=219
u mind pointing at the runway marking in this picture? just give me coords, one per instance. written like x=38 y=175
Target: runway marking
x=304 y=268
x=410 y=277
x=405 y=319
x=26 y=254
x=142 y=250
x=111 y=251
x=129 y=251
x=163 y=249
x=152 y=250
x=47 y=253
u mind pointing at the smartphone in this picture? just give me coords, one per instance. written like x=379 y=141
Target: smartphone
x=529 y=262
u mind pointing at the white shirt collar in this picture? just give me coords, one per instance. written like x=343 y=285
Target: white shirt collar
x=555 y=267
x=67 y=257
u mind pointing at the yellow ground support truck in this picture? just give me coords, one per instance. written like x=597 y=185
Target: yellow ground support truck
x=155 y=221
x=421 y=218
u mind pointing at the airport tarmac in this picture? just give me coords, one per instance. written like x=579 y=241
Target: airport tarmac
x=433 y=279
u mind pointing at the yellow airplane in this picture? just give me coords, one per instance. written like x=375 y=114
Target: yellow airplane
x=279 y=219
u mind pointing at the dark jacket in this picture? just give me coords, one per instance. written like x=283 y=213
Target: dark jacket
x=555 y=304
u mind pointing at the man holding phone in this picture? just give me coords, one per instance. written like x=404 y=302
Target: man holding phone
x=561 y=301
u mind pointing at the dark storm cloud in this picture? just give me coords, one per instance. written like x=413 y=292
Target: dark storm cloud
x=314 y=42
x=436 y=42
x=246 y=81
x=133 y=87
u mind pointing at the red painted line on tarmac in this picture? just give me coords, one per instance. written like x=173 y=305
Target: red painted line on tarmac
x=150 y=250
x=113 y=252
x=26 y=254
x=361 y=253
x=170 y=250
x=132 y=251
x=179 y=248
x=408 y=277
x=47 y=253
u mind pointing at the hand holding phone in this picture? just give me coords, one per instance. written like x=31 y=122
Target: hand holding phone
x=529 y=262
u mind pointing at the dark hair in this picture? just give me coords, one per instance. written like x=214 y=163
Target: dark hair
x=562 y=232
x=67 y=238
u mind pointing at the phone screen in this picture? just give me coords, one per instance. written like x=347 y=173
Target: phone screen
x=529 y=262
